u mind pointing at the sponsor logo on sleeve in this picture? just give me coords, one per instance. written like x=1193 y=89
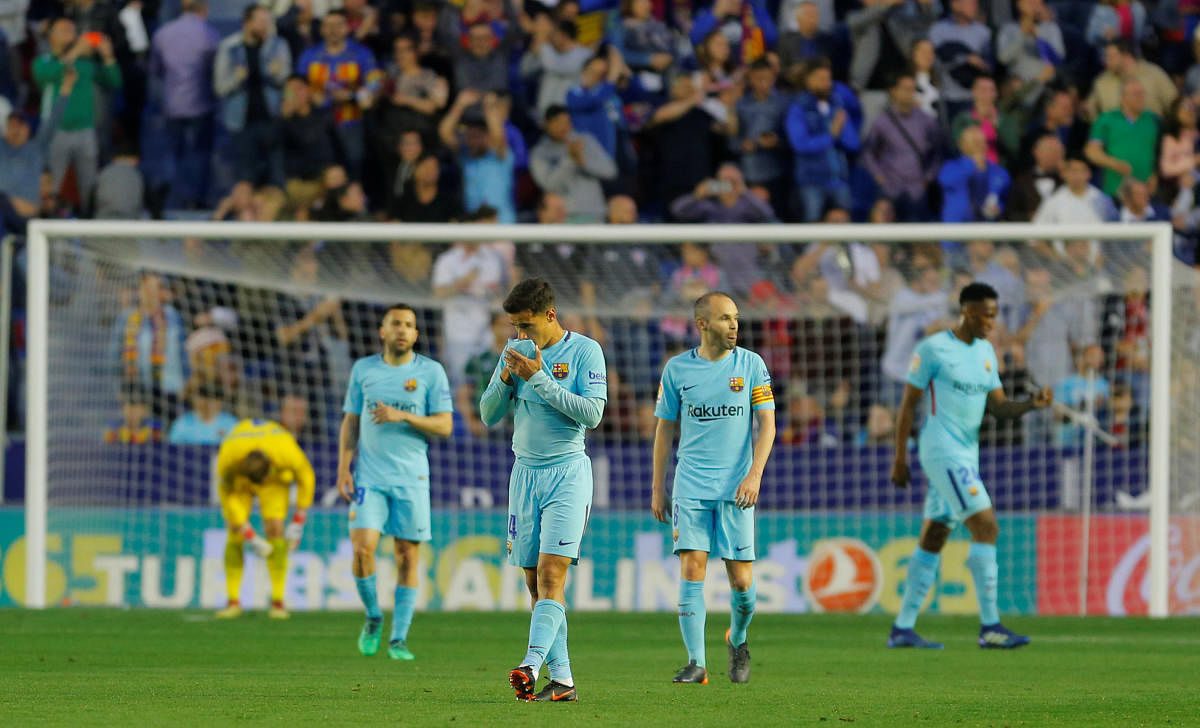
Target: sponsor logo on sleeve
x=601 y=377
x=916 y=363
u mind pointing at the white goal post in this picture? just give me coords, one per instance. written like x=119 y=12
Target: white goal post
x=40 y=232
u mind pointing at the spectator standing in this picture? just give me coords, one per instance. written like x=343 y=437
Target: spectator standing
x=307 y=136
x=23 y=158
x=74 y=141
x=342 y=74
x=466 y=277
x=148 y=341
x=483 y=152
x=745 y=23
x=250 y=71
x=1137 y=205
x=482 y=65
x=136 y=426
x=915 y=312
x=593 y=103
x=1000 y=130
x=1037 y=183
x=1054 y=326
x=924 y=61
x=760 y=124
x=1031 y=48
x=120 y=188
x=415 y=95
x=973 y=189
x=902 y=152
x=181 y=61
x=1178 y=163
x=683 y=141
x=572 y=165
x=299 y=27
x=645 y=42
x=806 y=42
x=1058 y=118
x=1123 y=141
x=964 y=46
x=821 y=134
x=424 y=199
x=1120 y=67
x=722 y=200
x=555 y=60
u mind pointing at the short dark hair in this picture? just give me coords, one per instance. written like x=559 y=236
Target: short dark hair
x=568 y=28
x=899 y=76
x=974 y=292
x=761 y=64
x=553 y=111
x=483 y=212
x=531 y=294
x=251 y=10
x=700 y=307
x=256 y=466
x=397 y=307
x=1123 y=45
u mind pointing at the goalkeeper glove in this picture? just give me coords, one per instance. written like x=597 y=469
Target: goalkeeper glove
x=258 y=544
x=295 y=530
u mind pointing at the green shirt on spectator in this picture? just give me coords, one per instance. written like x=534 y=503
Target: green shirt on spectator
x=81 y=106
x=1132 y=141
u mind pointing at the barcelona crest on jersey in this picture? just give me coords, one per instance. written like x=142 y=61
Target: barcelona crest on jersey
x=560 y=369
x=410 y=385
x=737 y=384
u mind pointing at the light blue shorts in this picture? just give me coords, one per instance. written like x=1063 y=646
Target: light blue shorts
x=956 y=491
x=719 y=528
x=399 y=512
x=548 y=510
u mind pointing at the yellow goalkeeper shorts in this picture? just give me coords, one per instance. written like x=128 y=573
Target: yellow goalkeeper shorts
x=272 y=502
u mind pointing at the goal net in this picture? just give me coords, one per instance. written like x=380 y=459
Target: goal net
x=148 y=340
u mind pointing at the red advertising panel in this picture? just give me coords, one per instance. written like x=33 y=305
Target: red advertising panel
x=1118 y=562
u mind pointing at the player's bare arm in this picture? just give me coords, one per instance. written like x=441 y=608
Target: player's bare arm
x=1000 y=406
x=347 y=444
x=747 y=491
x=904 y=424
x=664 y=437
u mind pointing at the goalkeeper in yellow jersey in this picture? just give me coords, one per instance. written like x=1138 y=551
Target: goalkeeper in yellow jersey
x=260 y=458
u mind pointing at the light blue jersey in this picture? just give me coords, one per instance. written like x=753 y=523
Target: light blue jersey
x=959 y=377
x=713 y=402
x=395 y=455
x=542 y=435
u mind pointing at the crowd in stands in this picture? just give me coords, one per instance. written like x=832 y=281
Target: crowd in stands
x=738 y=111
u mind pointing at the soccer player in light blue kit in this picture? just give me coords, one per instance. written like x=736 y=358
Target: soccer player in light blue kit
x=406 y=400
x=556 y=384
x=710 y=394
x=961 y=372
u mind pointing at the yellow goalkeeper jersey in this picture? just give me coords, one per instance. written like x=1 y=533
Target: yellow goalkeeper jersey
x=288 y=462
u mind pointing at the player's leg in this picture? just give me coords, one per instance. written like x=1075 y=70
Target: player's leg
x=273 y=502
x=409 y=524
x=922 y=573
x=565 y=496
x=981 y=561
x=368 y=516
x=735 y=544
x=524 y=535
x=235 y=508
x=407 y=567
x=693 y=524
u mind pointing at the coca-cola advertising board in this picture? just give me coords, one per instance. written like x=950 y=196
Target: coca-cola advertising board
x=1118 y=581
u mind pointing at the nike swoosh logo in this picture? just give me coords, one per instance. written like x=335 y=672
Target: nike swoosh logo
x=684 y=389
x=742 y=548
x=560 y=696
x=565 y=543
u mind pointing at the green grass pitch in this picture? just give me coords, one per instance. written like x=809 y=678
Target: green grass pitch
x=73 y=667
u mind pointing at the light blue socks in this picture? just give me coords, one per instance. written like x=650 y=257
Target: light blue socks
x=406 y=602
x=366 y=592
x=922 y=572
x=692 y=614
x=740 y=613
x=557 y=659
x=544 y=628
x=981 y=560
